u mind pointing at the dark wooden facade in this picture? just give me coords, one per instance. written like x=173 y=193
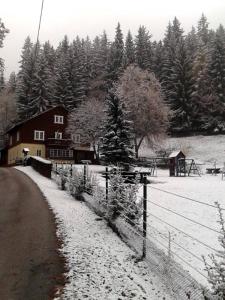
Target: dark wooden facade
x=52 y=146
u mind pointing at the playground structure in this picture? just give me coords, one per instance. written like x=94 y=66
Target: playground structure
x=187 y=166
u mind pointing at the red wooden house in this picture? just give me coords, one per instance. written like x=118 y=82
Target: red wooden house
x=45 y=135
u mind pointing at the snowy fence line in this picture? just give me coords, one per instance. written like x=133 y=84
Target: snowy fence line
x=159 y=248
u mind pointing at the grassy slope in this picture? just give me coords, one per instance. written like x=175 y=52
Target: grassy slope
x=205 y=149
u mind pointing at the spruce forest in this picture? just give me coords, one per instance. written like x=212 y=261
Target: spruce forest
x=189 y=66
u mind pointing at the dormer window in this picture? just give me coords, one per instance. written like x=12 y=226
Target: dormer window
x=58 y=119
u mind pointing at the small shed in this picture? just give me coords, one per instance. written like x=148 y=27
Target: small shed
x=174 y=160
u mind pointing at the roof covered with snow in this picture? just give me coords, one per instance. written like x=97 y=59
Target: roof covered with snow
x=175 y=153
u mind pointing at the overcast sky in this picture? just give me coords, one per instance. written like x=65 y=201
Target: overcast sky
x=91 y=17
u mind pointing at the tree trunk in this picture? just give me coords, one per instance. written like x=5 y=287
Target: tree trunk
x=137 y=145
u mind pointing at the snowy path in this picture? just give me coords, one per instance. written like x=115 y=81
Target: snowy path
x=100 y=265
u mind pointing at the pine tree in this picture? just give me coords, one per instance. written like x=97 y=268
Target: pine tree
x=2 y=81
x=11 y=84
x=177 y=77
x=203 y=30
x=143 y=49
x=117 y=141
x=3 y=32
x=157 y=59
x=129 y=51
x=115 y=61
x=42 y=90
x=64 y=89
x=217 y=65
x=25 y=79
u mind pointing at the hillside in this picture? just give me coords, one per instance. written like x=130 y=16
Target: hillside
x=205 y=149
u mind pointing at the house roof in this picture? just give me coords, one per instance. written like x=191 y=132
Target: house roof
x=33 y=117
x=175 y=153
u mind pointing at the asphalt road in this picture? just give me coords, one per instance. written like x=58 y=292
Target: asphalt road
x=30 y=265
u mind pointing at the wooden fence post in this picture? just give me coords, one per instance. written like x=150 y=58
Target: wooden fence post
x=85 y=176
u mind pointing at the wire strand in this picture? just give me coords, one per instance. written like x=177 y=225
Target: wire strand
x=175 y=254
x=184 y=197
x=188 y=235
x=182 y=216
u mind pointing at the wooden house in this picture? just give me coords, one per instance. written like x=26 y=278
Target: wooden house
x=45 y=135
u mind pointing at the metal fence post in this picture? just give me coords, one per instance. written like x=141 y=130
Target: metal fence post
x=106 y=183
x=71 y=170
x=144 y=215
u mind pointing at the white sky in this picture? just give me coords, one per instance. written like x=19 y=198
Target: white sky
x=91 y=17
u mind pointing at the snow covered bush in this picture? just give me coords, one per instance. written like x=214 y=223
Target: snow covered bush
x=73 y=181
x=216 y=272
x=122 y=200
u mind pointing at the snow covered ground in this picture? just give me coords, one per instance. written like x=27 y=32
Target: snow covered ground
x=100 y=265
x=207 y=189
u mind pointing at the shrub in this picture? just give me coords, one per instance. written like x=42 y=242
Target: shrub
x=216 y=272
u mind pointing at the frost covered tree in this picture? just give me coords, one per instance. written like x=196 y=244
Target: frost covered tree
x=122 y=200
x=143 y=50
x=115 y=61
x=217 y=65
x=64 y=89
x=129 y=50
x=25 y=79
x=177 y=77
x=11 y=84
x=42 y=89
x=87 y=120
x=141 y=92
x=3 y=32
x=117 y=141
x=216 y=272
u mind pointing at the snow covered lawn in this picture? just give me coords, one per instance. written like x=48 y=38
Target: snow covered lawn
x=100 y=265
x=208 y=189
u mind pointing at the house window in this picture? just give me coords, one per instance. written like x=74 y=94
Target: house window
x=76 y=138
x=17 y=136
x=58 y=119
x=61 y=153
x=38 y=152
x=39 y=135
x=58 y=135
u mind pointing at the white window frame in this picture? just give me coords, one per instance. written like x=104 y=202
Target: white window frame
x=76 y=138
x=58 y=119
x=39 y=135
x=61 y=153
x=17 y=136
x=58 y=135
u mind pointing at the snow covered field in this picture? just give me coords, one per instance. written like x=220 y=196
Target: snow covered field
x=199 y=240
x=100 y=265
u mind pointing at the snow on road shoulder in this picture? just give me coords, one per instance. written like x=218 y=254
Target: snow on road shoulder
x=100 y=265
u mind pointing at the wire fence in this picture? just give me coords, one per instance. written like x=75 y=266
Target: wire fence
x=172 y=259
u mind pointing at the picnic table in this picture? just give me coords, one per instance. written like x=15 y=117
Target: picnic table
x=213 y=170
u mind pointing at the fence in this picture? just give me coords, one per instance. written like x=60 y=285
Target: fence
x=165 y=256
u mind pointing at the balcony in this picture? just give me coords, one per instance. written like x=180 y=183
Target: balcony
x=58 y=142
